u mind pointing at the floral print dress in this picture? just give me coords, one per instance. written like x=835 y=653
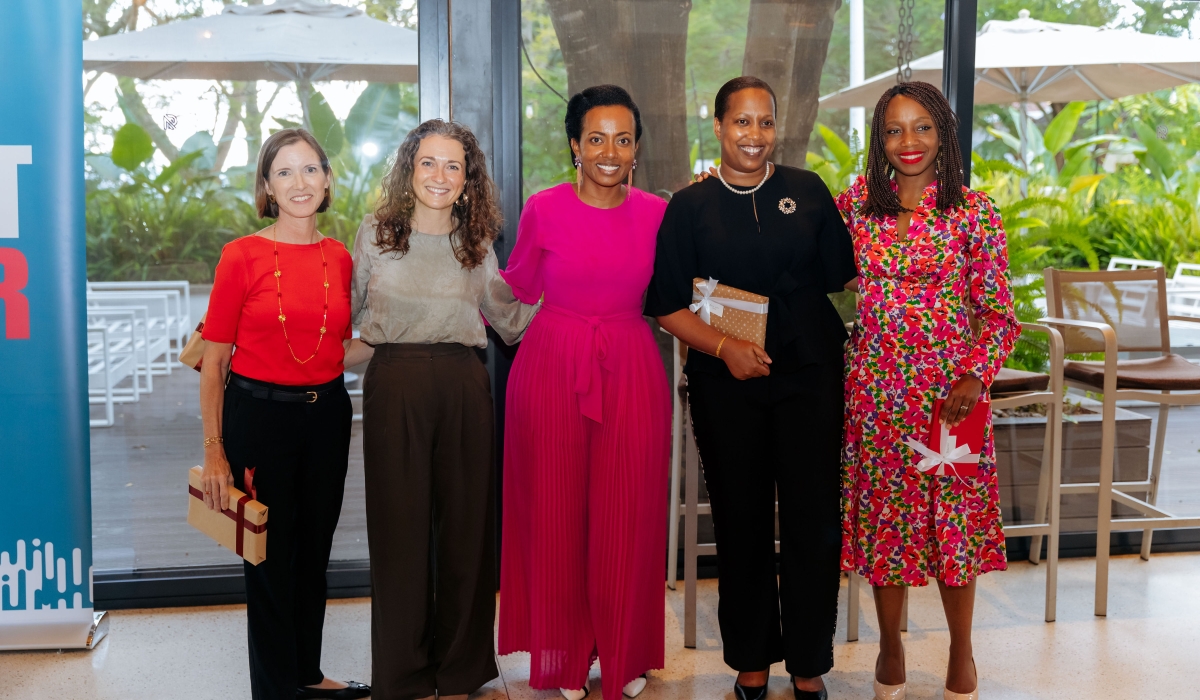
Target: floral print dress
x=912 y=341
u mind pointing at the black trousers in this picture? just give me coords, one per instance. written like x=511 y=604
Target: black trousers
x=428 y=446
x=780 y=434
x=294 y=455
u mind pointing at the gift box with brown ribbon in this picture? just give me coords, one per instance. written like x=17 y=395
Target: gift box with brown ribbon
x=242 y=527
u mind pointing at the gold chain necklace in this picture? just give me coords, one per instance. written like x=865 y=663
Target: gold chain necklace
x=279 y=297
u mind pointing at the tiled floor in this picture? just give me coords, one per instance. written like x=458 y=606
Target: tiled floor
x=1148 y=646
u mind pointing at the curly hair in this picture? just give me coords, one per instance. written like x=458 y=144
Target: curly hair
x=477 y=217
x=882 y=200
x=598 y=96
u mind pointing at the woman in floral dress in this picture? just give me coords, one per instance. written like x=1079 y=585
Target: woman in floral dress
x=931 y=254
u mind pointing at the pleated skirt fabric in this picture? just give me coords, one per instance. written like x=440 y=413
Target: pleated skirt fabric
x=585 y=505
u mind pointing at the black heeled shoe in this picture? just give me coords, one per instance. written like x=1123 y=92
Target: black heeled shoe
x=822 y=694
x=353 y=691
x=749 y=692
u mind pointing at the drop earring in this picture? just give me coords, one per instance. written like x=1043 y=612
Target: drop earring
x=630 y=185
x=578 y=173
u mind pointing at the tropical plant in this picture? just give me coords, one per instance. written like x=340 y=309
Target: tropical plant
x=143 y=224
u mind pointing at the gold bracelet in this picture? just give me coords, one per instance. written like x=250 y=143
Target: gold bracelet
x=210 y=440
x=723 y=339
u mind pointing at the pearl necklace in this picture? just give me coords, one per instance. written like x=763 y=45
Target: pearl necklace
x=279 y=298
x=756 y=187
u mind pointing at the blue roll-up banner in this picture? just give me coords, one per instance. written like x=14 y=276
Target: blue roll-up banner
x=46 y=516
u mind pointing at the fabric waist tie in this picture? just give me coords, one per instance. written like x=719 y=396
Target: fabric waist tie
x=591 y=356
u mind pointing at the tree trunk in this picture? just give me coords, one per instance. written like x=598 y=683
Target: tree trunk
x=236 y=98
x=786 y=44
x=253 y=120
x=640 y=45
x=135 y=110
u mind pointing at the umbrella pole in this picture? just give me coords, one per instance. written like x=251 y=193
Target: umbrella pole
x=304 y=93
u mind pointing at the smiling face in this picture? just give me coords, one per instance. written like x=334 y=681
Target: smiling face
x=747 y=131
x=608 y=145
x=439 y=172
x=297 y=181
x=910 y=138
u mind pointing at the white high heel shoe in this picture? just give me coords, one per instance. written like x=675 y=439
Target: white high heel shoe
x=948 y=694
x=890 y=692
x=575 y=694
x=634 y=687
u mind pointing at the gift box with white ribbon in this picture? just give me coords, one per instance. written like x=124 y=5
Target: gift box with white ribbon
x=953 y=451
x=736 y=313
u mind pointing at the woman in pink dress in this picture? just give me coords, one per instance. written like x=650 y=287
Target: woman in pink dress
x=588 y=421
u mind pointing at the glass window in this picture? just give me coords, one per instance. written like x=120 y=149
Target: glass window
x=170 y=167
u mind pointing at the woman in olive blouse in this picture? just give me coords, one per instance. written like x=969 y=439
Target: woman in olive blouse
x=424 y=270
x=766 y=419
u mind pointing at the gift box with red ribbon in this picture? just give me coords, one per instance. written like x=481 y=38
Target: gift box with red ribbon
x=242 y=527
x=953 y=451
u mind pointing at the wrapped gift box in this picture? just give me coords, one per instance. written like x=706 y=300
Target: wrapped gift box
x=953 y=451
x=242 y=527
x=736 y=313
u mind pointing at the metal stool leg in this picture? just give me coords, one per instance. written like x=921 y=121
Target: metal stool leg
x=676 y=458
x=1155 y=472
x=690 y=532
x=852 y=606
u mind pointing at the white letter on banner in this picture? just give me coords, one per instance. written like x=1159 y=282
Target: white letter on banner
x=10 y=158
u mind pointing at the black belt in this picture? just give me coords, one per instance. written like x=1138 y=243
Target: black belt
x=261 y=391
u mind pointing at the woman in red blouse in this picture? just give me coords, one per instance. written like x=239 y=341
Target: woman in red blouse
x=276 y=413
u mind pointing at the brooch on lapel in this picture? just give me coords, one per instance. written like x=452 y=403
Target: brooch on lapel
x=787 y=205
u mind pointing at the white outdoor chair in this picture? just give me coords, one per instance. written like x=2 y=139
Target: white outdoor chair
x=100 y=369
x=1187 y=275
x=1119 y=263
x=161 y=323
x=1089 y=310
x=182 y=310
x=128 y=332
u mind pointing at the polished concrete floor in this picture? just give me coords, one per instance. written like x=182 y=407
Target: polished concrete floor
x=1147 y=647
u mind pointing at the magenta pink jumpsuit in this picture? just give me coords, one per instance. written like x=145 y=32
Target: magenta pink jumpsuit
x=586 y=442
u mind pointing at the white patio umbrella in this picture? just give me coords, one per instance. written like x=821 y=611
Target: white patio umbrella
x=290 y=40
x=1027 y=60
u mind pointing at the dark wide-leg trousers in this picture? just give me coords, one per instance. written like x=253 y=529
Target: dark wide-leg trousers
x=428 y=446
x=294 y=456
x=756 y=438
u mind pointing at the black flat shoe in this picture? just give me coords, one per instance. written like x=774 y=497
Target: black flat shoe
x=822 y=694
x=749 y=692
x=352 y=691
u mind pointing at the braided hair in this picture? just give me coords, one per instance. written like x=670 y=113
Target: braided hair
x=882 y=200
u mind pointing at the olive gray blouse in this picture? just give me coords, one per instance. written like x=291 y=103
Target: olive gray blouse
x=425 y=296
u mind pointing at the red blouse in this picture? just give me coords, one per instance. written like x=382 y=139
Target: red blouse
x=243 y=309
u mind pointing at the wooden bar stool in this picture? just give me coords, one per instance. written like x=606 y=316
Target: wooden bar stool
x=1113 y=312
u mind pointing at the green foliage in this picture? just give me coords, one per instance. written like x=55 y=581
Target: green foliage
x=170 y=226
x=375 y=117
x=325 y=125
x=837 y=164
x=173 y=223
x=1127 y=192
x=132 y=147
x=1093 y=13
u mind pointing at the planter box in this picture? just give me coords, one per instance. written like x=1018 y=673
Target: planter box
x=1019 y=444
